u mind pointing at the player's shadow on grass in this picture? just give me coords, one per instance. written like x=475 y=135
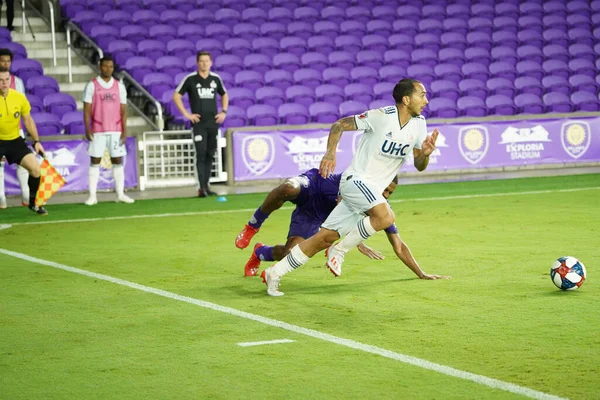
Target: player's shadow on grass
x=558 y=293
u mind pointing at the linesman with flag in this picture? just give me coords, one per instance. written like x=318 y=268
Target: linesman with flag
x=13 y=107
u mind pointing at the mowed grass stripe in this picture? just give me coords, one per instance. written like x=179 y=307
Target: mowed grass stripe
x=443 y=369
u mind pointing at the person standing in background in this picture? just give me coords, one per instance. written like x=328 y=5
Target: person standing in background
x=200 y=87
x=6 y=57
x=105 y=119
x=10 y=13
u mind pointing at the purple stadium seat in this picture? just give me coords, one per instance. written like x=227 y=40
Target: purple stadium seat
x=505 y=38
x=558 y=103
x=376 y=43
x=235 y=5
x=359 y=92
x=556 y=84
x=478 y=55
x=201 y=16
x=555 y=52
x=392 y=73
x=87 y=19
x=255 y=16
x=281 y=15
x=211 y=5
x=156 y=5
x=249 y=79
x=307 y=14
x=507 y=10
x=263 y=4
x=279 y=78
x=369 y=58
x=461 y=11
x=236 y=116
x=451 y=56
x=47 y=124
x=341 y=59
x=336 y=76
x=479 y=39
x=329 y=93
x=473 y=88
x=453 y=40
x=445 y=89
x=442 y=108
x=505 y=24
x=18 y=50
x=352 y=108
x=504 y=54
x=314 y=60
x=213 y=46
x=102 y=35
x=139 y=66
x=579 y=7
x=321 y=44
x=532 y=8
x=218 y=31
x=380 y=103
x=555 y=8
x=158 y=83
x=478 y=24
x=262 y=115
x=293 y=114
x=145 y=18
x=308 y=77
x=41 y=86
x=528 y=103
x=455 y=25
x=431 y=26
x=501 y=86
x=152 y=49
x=134 y=33
x=503 y=69
x=246 y=30
x=579 y=21
x=475 y=71
x=335 y=15
x=128 y=5
x=238 y=47
x=348 y=43
x=70 y=8
x=300 y=94
x=266 y=45
x=585 y=101
x=173 y=17
x=423 y=56
x=500 y=105
x=408 y=27
x=323 y=112
x=583 y=83
x=363 y=74
x=73 y=123
x=37 y=105
x=530 y=53
x=169 y=65
x=529 y=22
x=531 y=69
x=530 y=37
x=379 y=27
x=451 y=72
x=554 y=21
x=272 y=96
x=384 y=12
x=583 y=67
x=555 y=67
x=228 y=16
x=286 y=61
x=401 y=41
x=483 y=10
x=162 y=32
x=353 y=28
x=470 y=106
x=395 y=57
x=434 y=11
x=229 y=62
x=191 y=32
x=358 y=13
x=406 y=12
x=258 y=62
x=241 y=97
x=294 y=45
x=529 y=85
x=427 y=41
x=59 y=103
x=555 y=36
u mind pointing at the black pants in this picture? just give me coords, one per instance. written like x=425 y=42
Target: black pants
x=205 y=141
x=10 y=12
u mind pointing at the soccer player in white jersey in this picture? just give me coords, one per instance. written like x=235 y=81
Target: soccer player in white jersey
x=6 y=57
x=105 y=118
x=390 y=134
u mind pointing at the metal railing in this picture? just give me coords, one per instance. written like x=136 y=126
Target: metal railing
x=25 y=23
x=160 y=122
x=71 y=27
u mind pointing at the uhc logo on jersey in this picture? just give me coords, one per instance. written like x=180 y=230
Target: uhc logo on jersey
x=394 y=149
x=206 y=93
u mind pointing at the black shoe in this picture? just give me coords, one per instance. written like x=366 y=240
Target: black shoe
x=38 y=210
x=211 y=193
x=10 y=28
x=202 y=193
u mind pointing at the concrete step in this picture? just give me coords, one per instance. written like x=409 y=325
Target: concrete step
x=40 y=37
x=46 y=53
x=62 y=62
x=42 y=44
x=37 y=24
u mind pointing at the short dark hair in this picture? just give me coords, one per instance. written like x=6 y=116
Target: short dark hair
x=2 y=69
x=106 y=58
x=404 y=88
x=203 y=53
x=6 y=52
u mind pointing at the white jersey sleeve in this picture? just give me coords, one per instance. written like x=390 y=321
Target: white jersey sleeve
x=19 y=86
x=363 y=123
x=122 y=92
x=88 y=93
x=422 y=134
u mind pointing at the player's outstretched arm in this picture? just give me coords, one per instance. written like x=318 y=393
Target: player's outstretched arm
x=327 y=167
x=404 y=254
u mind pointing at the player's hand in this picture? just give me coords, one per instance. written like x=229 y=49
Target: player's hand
x=220 y=117
x=369 y=252
x=123 y=138
x=428 y=145
x=193 y=118
x=327 y=166
x=432 y=277
x=89 y=136
x=39 y=149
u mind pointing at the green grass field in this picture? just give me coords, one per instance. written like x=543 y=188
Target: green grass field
x=499 y=322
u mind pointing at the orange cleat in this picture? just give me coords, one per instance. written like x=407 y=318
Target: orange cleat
x=251 y=268
x=243 y=239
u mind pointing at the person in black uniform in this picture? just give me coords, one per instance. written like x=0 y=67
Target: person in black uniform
x=202 y=88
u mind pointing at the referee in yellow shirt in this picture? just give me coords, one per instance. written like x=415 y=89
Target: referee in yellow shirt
x=13 y=107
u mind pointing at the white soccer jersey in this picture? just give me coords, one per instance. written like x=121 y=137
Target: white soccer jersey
x=385 y=145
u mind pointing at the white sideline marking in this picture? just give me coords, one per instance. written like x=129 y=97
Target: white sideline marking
x=248 y=344
x=191 y=213
x=418 y=362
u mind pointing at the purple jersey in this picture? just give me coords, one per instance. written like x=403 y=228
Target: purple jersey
x=316 y=200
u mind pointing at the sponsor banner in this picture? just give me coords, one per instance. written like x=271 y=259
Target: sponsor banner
x=280 y=154
x=71 y=160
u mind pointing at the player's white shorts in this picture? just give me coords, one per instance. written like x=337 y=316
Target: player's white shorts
x=357 y=198
x=103 y=141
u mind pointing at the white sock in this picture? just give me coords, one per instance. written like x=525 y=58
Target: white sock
x=119 y=176
x=294 y=260
x=93 y=176
x=2 y=194
x=23 y=177
x=362 y=231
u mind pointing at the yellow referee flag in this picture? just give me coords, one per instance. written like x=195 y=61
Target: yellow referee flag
x=50 y=183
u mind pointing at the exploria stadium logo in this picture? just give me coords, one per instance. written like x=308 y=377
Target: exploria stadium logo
x=61 y=159
x=525 y=143
x=307 y=152
x=258 y=153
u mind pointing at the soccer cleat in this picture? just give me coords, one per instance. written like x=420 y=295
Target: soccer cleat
x=92 y=200
x=202 y=193
x=335 y=259
x=243 y=239
x=251 y=268
x=211 y=193
x=125 y=199
x=272 y=282
x=25 y=203
x=3 y=204
x=38 y=210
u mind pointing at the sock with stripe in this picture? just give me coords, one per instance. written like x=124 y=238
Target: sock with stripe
x=258 y=218
x=362 y=231
x=292 y=261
